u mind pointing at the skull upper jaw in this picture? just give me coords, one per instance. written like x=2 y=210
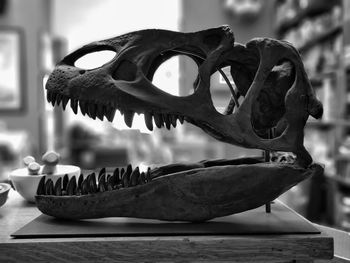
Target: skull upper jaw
x=125 y=84
x=98 y=88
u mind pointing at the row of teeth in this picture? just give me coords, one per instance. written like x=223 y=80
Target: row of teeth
x=121 y=178
x=96 y=110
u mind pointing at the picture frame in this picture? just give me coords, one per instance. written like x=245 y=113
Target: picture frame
x=11 y=69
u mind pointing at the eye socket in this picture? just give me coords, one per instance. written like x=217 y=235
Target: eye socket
x=95 y=59
x=177 y=69
x=220 y=90
x=269 y=108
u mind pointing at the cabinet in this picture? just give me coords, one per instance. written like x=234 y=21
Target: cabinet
x=318 y=28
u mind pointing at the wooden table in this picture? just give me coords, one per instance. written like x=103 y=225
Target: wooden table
x=284 y=248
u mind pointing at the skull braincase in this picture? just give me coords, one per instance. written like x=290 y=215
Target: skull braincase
x=268 y=73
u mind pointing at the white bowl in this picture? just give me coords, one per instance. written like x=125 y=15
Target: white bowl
x=4 y=191
x=26 y=185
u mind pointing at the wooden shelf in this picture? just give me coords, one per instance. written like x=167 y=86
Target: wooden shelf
x=321 y=38
x=319 y=124
x=327 y=124
x=341 y=157
x=335 y=130
x=317 y=79
x=309 y=12
x=341 y=181
x=325 y=74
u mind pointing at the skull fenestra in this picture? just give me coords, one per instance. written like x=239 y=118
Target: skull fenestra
x=272 y=93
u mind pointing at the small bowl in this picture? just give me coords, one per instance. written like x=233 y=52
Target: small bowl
x=26 y=185
x=4 y=191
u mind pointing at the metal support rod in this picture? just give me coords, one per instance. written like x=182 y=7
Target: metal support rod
x=270 y=135
x=233 y=93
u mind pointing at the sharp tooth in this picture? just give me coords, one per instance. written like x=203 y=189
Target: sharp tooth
x=72 y=186
x=80 y=180
x=173 y=119
x=88 y=178
x=166 y=119
x=116 y=180
x=122 y=111
x=128 y=118
x=102 y=171
x=83 y=107
x=142 y=178
x=53 y=98
x=158 y=119
x=148 y=175
x=110 y=183
x=85 y=187
x=181 y=119
x=49 y=187
x=101 y=188
x=148 y=120
x=59 y=99
x=125 y=180
x=41 y=186
x=74 y=105
x=58 y=187
x=102 y=183
x=110 y=112
x=116 y=177
x=116 y=173
x=48 y=95
x=100 y=111
x=134 y=177
x=92 y=110
x=65 y=182
x=126 y=176
x=92 y=183
x=93 y=176
x=65 y=100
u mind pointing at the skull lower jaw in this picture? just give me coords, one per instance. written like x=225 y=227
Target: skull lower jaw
x=193 y=194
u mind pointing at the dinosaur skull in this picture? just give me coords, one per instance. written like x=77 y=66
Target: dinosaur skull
x=276 y=92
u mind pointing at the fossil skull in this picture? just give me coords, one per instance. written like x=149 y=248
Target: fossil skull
x=276 y=92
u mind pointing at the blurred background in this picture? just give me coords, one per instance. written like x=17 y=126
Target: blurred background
x=36 y=34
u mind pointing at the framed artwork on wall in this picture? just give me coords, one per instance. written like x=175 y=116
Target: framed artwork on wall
x=11 y=69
